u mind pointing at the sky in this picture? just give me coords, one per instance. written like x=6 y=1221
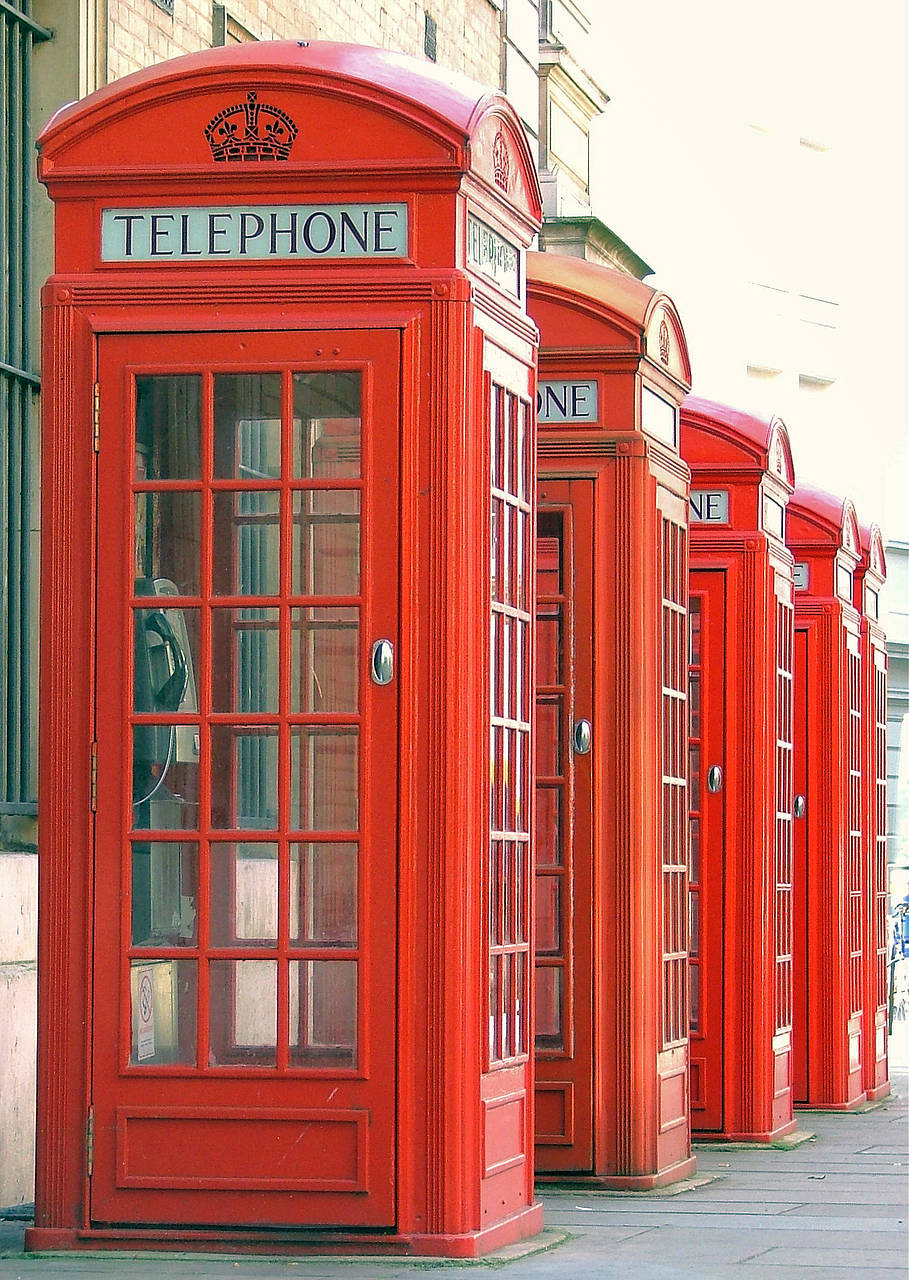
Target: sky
x=768 y=144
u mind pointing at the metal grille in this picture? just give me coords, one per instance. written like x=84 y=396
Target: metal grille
x=18 y=411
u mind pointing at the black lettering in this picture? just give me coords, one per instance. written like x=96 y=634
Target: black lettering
x=307 y=232
x=347 y=224
x=561 y=403
x=696 y=502
x=290 y=231
x=129 y=219
x=245 y=234
x=713 y=506
x=579 y=400
x=214 y=230
x=381 y=228
x=185 y=250
x=157 y=233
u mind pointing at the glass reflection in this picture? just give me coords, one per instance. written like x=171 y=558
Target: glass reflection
x=323 y=1013
x=323 y=895
x=247 y=426
x=245 y=558
x=326 y=437
x=162 y=1012
x=326 y=542
x=164 y=897
x=244 y=894
x=243 y=1012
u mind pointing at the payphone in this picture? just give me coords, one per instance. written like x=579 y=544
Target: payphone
x=288 y=478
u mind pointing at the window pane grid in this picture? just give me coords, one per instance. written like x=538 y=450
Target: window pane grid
x=261 y=894
x=510 y=724
x=783 y=822
x=674 y=781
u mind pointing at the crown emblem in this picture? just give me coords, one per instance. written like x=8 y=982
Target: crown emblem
x=501 y=161
x=664 y=342
x=251 y=130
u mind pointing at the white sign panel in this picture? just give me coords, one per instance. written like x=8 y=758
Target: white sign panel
x=567 y=401
x=254 y=233
x=493 y=256
x=800 y=575
x=774 y=516
x=844 y=583
x=709 y=506
x=659 y=417
x=145 y=1047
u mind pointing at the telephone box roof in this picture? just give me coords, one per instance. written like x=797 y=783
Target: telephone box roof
x=735 y=437
x=872 y=542
x=445 y=109
x=616 y=300
x=817 y=517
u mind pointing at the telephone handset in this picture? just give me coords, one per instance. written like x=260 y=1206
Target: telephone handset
x=164 y=682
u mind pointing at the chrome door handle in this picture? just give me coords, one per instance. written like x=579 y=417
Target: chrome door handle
x=382 y=662
x=714 y=779
x=799 y=805
x=581 y=737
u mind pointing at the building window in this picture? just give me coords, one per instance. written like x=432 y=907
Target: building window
x=19 y=385
x=225 y=29
x=166 y=5
x=429 y=37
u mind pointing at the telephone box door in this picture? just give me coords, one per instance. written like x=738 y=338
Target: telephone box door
x=565 y=1031
x=707 y=766
x=243 y=1067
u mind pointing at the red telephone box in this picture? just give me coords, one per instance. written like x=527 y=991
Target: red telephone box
x=611 y=1008
x=288 y=494
x=740 y=774
x=869 y=579
x=830 y=880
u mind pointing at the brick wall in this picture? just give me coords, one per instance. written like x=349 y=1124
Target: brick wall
x=468 y=35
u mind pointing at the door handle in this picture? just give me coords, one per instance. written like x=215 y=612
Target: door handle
x=581 y=737
x=714 y=779
x=382 y=662
x=799 y=805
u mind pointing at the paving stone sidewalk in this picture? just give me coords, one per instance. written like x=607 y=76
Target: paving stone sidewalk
x=832 y=1208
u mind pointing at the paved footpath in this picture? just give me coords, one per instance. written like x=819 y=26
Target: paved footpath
x=832 y=1208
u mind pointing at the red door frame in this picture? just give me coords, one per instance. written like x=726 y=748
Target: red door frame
x=707 y=819
x=131 y=1182
x=566 y=1063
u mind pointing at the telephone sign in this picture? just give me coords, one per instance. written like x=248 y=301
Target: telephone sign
x=709 y=506
x=559 y=401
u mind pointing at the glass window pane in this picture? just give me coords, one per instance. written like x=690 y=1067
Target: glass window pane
x=324 y=660
x=165 y=777
x=323 y=895
x=244 y=673
x=243 y=1012
x=694 y=631
x=694 y=988
x=323 y=778
x=168 y=426
x=549 y=648
x=694 y=924
x=549 y=745
x=694 y=706
x=245 y=558
x=326 y=542
x=247 y=426
x=326 y=436
x=244 y=894
x=165 y=893
x=167 y=542
x=548 y=1004
x=694 y=775
x=323 y=1013
x=162 y=1012
x=548 y=827
x=694 y=849
x=244 y=777
x=165 y=653
x=549 y=915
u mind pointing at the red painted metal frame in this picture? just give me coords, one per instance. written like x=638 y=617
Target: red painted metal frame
x=750 y=460
x=870 y=576
x=627 y=1062
x=822 y=533
x=400 y=131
